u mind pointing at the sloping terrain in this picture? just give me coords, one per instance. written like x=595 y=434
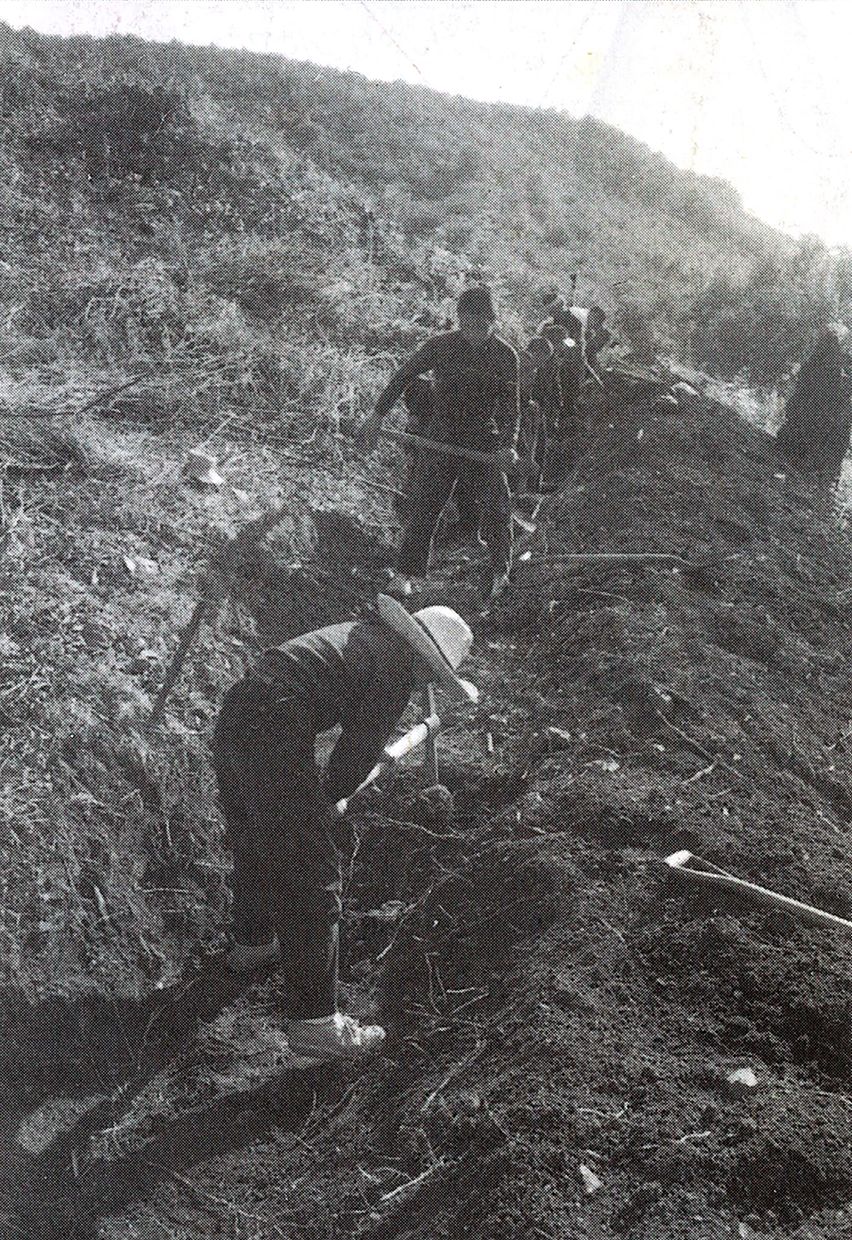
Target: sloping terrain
x=563 y=1013
x=152 y=191
x=554 y=1002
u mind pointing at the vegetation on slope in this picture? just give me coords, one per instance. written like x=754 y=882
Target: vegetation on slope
x=551 y=1004
x=120 y=153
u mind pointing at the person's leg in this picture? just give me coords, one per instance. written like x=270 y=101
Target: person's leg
x=497 y=523
x=435 y=485
x=468 y=501
x=251 y=916
x=306 y=883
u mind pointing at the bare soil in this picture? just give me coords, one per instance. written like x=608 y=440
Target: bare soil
x=562 y=1013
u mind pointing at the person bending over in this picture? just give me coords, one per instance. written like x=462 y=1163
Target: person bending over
x=280 y=812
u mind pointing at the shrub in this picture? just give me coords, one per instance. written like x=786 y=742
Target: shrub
x=124 y=129
x=632 y=323
x=760 y=327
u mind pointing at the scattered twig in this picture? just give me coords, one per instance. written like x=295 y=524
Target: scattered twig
x=413 y=826
x=328 y=1112
x=31 y=467
x=377 y=486
x=236 y=1211
x=613 y=558
x=713 y=759
x=418 y=1179
x=705 y=770
x=109 y=394
x=603 y=1114
x=452 y=1074
x=613 y=929
x=483 y=994
x=619 y=598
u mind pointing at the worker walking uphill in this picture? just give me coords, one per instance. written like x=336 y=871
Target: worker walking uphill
x=280 y=812
x=475 y=405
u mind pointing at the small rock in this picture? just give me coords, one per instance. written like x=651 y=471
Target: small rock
x=741 y=1081
x=139 y=565
x=591 y=1182
x=200 y=468
x=439 y=802
x=559 y=734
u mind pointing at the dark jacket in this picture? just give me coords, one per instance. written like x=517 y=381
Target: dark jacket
x=475 y=389
x=818 y=417
x=356 y=674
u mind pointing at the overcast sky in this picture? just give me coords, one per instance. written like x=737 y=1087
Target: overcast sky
x=756 y=91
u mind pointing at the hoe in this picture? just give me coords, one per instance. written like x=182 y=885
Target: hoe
x=687 y=865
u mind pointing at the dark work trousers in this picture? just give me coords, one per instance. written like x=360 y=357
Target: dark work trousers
x=287 y=875
x=558 y=446
x=436 y=479
x=467 y=497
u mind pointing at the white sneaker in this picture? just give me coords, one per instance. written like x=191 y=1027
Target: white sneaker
x=333 y=1037
x=246 y=957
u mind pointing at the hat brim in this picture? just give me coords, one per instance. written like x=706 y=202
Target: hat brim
x=422 y=643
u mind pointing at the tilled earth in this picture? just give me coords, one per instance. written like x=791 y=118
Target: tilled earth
x=563 y=1012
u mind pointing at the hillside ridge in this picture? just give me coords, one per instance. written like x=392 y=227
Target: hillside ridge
x=563 y=1015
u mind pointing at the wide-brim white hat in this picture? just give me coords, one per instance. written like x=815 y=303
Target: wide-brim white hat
x=439 y=635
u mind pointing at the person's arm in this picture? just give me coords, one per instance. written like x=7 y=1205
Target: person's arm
x=509 y=401
x=365 y=733
x=418 y=364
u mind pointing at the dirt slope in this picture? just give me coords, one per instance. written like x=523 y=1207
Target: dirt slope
x=562 y=1017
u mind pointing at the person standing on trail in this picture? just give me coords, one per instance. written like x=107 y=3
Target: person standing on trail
x=281 y=814
x=476 y=404
x=586 y=329
x=814 y=435
x=558 y=392
x=594 y=336
x=536 y=371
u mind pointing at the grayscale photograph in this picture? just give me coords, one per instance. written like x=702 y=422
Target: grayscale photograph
x=425 y=620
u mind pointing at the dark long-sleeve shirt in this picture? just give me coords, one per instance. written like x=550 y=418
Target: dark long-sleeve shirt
x=476 y=388
x=357 y=674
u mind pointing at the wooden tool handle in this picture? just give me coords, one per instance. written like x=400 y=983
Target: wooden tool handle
x=176 y=664
x=392 y=754
x=443 y=449
x=690 y=866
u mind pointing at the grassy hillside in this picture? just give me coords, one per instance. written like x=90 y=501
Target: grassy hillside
x=187 y=259
x=145 y=185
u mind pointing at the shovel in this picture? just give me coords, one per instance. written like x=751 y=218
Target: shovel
x=687 y=865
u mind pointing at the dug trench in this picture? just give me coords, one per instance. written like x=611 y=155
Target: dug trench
x=563 y=1015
